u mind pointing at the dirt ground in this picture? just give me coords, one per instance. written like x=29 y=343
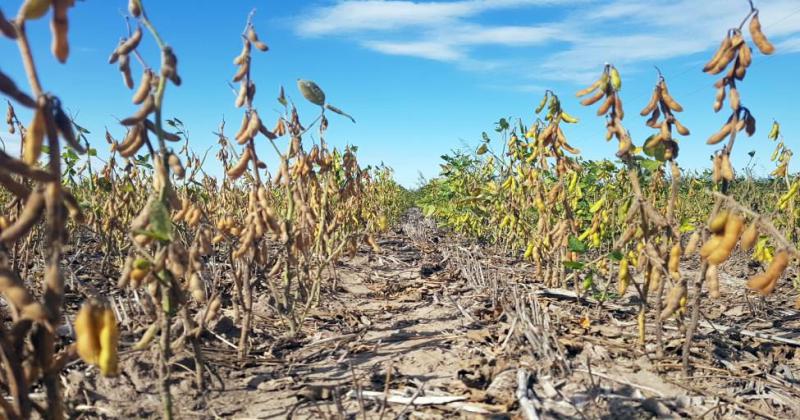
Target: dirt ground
x=432 y=327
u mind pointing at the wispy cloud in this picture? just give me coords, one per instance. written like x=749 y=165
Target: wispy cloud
x=569 y=46
x=350 y=16
x=529 y=88
x=631 y=32
x=455 y=44
x=432 y=50
x=790 y=45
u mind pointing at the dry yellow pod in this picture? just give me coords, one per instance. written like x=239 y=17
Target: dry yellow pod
x=108 y=360
x=733 y=229
x=721 y=134
x=134 y=8
x=147 y=337
x=131 y=43
x=758 y=36
x=726 y=169
x=654 y=278
x=34 y=138
x=242 y=96
x=253 y=37
x=193 y=218
x=143 y=91
x=729 y=54
x=749 y=237
x=18 y=295
x=710 y=245
x=606 y=106
x=765 y=282
x=180 y=214
x=147 y=107
x=138 y=274
x=34 y=9
x=712 y=277
x=682 y=130
x=125 y=276
x=594 y=86
x=724 y=46
x=673 y=300
x=734 y=99
x=669 y=100
x=654 y=99
x=624 y=277
x=691 y=246
x=176 y=166
x=717 y=224
x=593 y=99
x=88 y=323
x=716 y=174
x=674 y=262
x=370 y=240
x=28 y=217
x=59 y=29
x=213 y=309
x=197 y=288
x=135 y=144
x=240 y=167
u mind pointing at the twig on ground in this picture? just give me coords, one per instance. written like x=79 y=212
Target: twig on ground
x=524 y=397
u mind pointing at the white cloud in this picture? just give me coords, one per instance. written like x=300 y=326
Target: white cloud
x=431 y=50
x=350 y=16
x=790 y=45
x=570 y=47
x=512 y=36
x=630 y=32
x=353 y=16
x=453 y=44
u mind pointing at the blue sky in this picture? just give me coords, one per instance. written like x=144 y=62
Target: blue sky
x=424 y=77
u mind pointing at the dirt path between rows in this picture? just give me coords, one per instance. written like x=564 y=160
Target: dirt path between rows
x=434 y=328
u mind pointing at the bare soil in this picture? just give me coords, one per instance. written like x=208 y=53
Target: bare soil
x=432 y=327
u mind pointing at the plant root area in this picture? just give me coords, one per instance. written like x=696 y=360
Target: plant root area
x=433 y=326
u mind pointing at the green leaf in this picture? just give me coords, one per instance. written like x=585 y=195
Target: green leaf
x=160 y=226
x=502 y=125
x=80 y=129
x=575 y=245
x=143 y=161
x=282 y=99
x=69 y=154
x=649 y=164
x=573 y=265
x=686 y=226
x=588 y=281
x=92 y=152
x=655 y=148
x=616 y=255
